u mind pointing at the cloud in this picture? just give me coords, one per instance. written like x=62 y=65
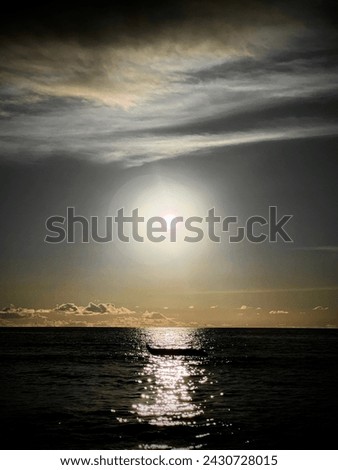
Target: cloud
x=135 y=90
x=18 y=316
x=92 y=315
x=158 y=319
x=119 y=316
x=104 y=308
x=93 y=308
x=46 y=136
x=12 y=315
x=121 y=67
x=247 y=307
x=16 y=312
x=68 y=307
x=153 y=315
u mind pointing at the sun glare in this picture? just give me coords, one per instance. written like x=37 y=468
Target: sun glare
x=169 y=217
x=160 y=198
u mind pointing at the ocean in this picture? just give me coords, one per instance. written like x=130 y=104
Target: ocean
x=99 y=388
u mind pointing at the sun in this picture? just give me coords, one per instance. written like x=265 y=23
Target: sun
x=169 y=216
x=173 y=202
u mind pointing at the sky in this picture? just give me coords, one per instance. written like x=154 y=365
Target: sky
x=172 y=108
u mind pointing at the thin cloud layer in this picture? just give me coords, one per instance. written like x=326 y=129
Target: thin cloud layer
x=165 y=83
x=123 y=64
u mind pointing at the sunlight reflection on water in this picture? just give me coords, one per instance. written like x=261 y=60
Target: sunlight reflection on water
x=170 y=383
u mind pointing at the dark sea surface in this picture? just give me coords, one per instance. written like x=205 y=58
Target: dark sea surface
x=99 y=388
